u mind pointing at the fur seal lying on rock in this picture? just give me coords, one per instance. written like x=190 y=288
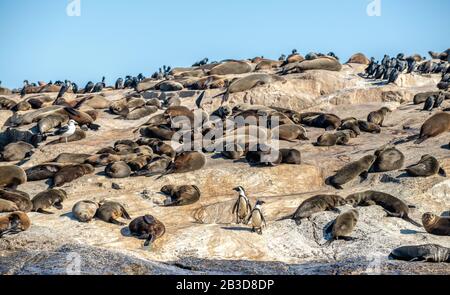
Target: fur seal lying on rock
x=12 y=176
x=85 y=211
x=7 y=206
x=394 y=207
x=14 y=223
x=43 y=171
x=181 y=195
x=436 y=225
x=351 y=171
x=436 y=125
x=20 y=199
x=388 y=159
x=70 y=173
x=147 y=227
x=118 y=170
x=111 y=211
x=16 y=151
x=427 y=166
x=428 y=253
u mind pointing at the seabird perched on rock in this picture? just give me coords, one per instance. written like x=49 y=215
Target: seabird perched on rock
x=89 y=87
x=66 y=131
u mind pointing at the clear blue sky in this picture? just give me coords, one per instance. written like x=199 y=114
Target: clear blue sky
x=118 y=37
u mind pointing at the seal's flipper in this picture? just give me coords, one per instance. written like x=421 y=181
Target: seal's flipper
x=113 y=221
x=149 y=241
x=42 y=211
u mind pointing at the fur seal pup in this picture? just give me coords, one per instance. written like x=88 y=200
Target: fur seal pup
x=343 y=226
x=12 y=176
x=394 y=207
x=241 y=207
x=7 y=206
x=377 y=117
x=70 y=173
x=436 y=125
x=427 y=166
x=21 y=199
x=368 y=127
x=290 y=132
x=436 y=225
x=352 y=170
x=47 y=199
x=85 y=211
x=43 y=171
x=257 y=218
x=332 y=139
x=388 y=159
x=428 y=253
x=316 y=204
x=181 y=195
x=291 y=156
x=111 y=211
x=118 y=170
x=67 y=158
x=186 y=162
x=147 y=227
x=14 y=223
x=16 y=151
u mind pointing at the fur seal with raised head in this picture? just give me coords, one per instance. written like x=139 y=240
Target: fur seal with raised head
x=377 y=117
x=70 y=173
x=12 y=176
x=47 y=199
x=428 y=253
x=147 y=227
x=316 y=204
x=85 y=211
x=352 y=170
x=111 y=211
x=343 y=226
x=14 y=223
x=427 y=166
x=394 y=207
x=181 y=195
x=16 y=151
x=436 y=225
x=436 y=125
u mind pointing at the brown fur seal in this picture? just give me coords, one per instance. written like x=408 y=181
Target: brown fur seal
x=70 y=173
x=247 y=83
x=427 y=166
x=111 y=211
x=290 y=156
x=388 y=159
x=14 y=223
x=158 y=147
x=233 y=151
x=368 y=127
x=231 y=68
x=263 y=155
x=102 y=159
x=147 y=227
x=12 y=176
x=77 y=136
x=394 y=207
x=181 y=195
x=428 y=253
x=16 y=151
x=52 y=121
x=6 y=104
x=119 y=107
x=352 y=170
x=343 y=226
x=290 y=132
x=322 y=63
x=21 y=199
x=186 y=162
x=118 y=170
x=157 y=132
x=7 y=206
x=314 y=205
x=141 y=112
x=47 y=199
x=267 y=65
x=326 y=121
x=43 y=171
x=358 y=58
x=169 y=86
x=436 y=125
x=67 y=158
x=139 y=163
x=377 y=117
x=351 y=124
x=22 y=106
x=158 y=165
x=332 y=139
x=85 y=211
x=436 y=225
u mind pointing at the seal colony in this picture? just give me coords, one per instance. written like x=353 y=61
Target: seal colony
x=157 y=148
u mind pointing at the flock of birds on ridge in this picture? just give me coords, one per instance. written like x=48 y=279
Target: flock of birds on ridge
x=150 y=155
